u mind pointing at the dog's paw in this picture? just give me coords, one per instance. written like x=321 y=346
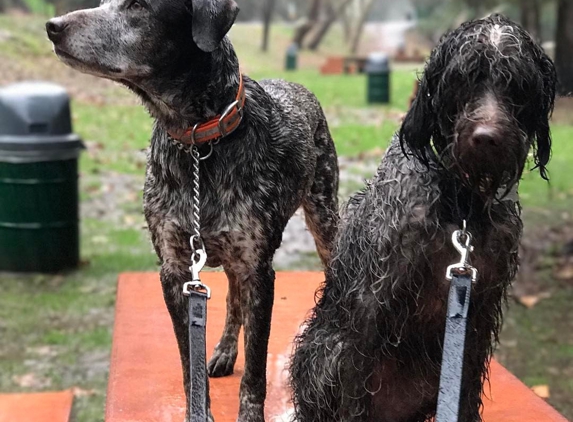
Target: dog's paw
x=209 y=417
x=222 y=362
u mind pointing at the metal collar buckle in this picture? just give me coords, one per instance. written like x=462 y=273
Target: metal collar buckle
x=225 y=114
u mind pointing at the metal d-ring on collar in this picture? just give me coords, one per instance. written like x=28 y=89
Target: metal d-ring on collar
x=194 y=144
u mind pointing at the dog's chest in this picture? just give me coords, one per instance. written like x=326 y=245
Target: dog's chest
x=241 y=210
x=224 y=214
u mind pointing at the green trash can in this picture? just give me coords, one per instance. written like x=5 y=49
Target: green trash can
x=291 y=57
x=39 y=222
x=378 y=70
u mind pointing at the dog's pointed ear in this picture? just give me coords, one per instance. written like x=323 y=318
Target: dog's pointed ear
x=212 y=19
x=418 y=125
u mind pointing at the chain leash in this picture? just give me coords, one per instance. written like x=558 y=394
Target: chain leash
x=198 y=294
x=198 y=253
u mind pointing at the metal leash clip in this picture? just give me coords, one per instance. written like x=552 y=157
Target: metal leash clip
x=464 y=248
x=195 y=268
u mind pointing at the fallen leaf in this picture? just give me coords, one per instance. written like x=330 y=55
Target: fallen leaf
x=509 y=343
x=129 y=220
x=80 y=392
x=528 y=301
x=43 y=351
x=31 y=380
x=100 y=239
x=565 y=273
x=132 y=197
x=541 y=390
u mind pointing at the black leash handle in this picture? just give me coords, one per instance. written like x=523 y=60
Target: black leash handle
x=454 y=346
x=198 y=394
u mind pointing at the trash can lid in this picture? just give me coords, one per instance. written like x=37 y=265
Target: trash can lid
x=292 y=49
x=40 y=143
x=33 y=149
x=377 y=62
x=34 y=109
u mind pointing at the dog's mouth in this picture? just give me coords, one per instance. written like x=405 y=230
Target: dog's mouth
x=490 y=184
x=97 y=69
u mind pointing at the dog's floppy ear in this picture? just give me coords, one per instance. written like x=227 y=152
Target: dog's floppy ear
x=212 y=19
x=542 y=132
x=418 y=125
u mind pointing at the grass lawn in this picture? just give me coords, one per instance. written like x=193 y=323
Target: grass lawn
x=56 y=329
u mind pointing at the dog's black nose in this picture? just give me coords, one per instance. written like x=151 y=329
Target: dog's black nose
x=484 y=137
x=56 y=28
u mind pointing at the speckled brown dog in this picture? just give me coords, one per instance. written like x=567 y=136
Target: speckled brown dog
x=175 y=56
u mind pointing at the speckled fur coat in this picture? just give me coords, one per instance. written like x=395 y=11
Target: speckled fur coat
x=281 y=157
x=175 y=56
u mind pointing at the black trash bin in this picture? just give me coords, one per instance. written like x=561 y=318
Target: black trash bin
x=39 y=222
x=378 y=71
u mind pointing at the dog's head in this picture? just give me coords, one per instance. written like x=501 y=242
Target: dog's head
x=128 y=40
x=484 y=100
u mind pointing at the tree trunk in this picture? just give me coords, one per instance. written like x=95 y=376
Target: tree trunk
x=360 y=26
x=310 y=22
x=346 y=27
x=332 y=16
x=530 y=12
x=564 y=47
x=268 y=10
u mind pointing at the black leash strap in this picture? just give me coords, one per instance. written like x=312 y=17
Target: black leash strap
x=198 y=294
x=453 y=355
x=461 y=276
x=197 y=355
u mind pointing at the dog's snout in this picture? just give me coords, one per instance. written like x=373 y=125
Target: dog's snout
x=484 y=137
x=56 y=28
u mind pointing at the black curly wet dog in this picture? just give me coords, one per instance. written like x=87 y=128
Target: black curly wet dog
x=175 y=56
x=372 y=347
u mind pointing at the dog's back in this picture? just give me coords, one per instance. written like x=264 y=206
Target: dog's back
x=298 y=106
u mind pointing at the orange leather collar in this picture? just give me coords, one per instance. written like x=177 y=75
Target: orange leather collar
x=219 y=126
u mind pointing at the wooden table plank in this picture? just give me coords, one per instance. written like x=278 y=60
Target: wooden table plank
x=145 y=376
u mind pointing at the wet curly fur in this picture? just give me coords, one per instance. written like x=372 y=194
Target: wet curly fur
x=176 y=57
x=371 y=349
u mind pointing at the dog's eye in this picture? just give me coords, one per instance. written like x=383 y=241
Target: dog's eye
x=135 y=5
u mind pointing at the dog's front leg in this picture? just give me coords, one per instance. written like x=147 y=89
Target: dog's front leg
x=225 y=354
x=257 y=304
x=178 y=306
